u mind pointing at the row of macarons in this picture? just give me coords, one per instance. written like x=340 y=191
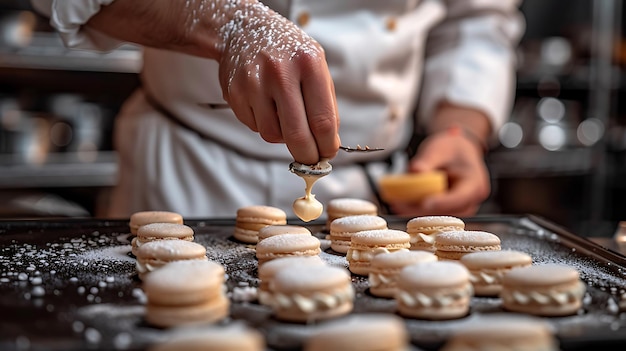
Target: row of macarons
x=487 y=266
x=373 y=332
x=191 y=292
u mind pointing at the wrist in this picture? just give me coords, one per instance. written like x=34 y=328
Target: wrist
x=468 y=134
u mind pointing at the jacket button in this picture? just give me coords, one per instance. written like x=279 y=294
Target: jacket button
x=391 y=24
x=303 y=19
x=394 y=114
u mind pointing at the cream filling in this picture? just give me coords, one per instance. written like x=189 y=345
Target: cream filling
x=272 y=255
x=307 y=304
x=368 y=254
x=487 y=276
x=421 y=237
x=145 y=267
x=138 y=241
x=419 y=299
x=379 y=279
x=308 y=208
x=551 y=297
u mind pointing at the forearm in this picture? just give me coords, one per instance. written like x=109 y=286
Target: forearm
x=474 y=124
x=195 y=27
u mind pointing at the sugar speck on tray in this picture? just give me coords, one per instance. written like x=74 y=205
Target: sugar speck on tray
x=78 y=326
x=122 y=341
x=38 y=291
x=92 y=335
x=22 y=343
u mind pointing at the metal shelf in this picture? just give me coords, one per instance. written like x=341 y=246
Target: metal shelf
x=46 y=51
x=59 y=170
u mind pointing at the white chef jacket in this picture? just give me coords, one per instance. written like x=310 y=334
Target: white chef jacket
x=384 y=57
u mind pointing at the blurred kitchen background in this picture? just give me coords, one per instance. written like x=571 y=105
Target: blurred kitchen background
x=561 y=156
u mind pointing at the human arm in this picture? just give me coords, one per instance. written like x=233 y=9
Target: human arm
x=466 y=96
x=272 y=74
x=456 y=144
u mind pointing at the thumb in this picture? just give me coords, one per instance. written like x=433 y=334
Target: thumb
x=430 y=156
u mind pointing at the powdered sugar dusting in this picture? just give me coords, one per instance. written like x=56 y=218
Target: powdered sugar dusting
x=358 y=222
x=84 y=281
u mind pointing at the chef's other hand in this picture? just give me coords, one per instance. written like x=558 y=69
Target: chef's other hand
x=460 y=153
x=276 y=80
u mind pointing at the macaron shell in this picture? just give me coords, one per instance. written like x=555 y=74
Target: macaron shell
x=213 y=339
x=400 y=259
x=541 y=275
x=465 y=240
x=164 y=230
x=269 y=270
x=381 y=237
x=346 y=226
x=277 y=229
x=496 y=259
x=454 y=311
x=285 y=243
x=261 y=214
x=544 y=290
x=184 y=282
x=517 y=332
x=210 y=311
x=431 y=224
x=170 y=250
x=328 y=283
x=310 y=278
x=360 y=333
x=340 y=246
x=139 y=219
x=246 y=236
x=295 y=315
x=439 y=274
x=341 y=207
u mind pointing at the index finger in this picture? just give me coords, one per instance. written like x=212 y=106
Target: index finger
x=321 y=108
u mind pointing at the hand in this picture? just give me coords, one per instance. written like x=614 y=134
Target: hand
x=468 y=177
x=276 y=80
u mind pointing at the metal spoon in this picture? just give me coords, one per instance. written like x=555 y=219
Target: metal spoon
x=359 y=148
x=319 y=169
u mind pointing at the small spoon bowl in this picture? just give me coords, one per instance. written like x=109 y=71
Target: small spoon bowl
x=319 y=169
x=360 y=148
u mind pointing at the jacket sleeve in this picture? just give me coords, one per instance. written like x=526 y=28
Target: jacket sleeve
x=470 y=58
x=68 y=18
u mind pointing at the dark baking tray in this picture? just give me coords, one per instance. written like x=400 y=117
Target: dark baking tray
x=71 y=285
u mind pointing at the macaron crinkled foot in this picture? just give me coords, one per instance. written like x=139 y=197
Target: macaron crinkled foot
x=434 y=290
x=342 y=229
x=268 y=271
x=156 y=254
x=184 y=293
x=424 y=230
x=366 y=244
x=362 y=332
x=139 y=219
x=346 y=206
x=161 y=231
x=250 y=219
x=385 y=268
x=487 y=268
x=278 y=229
x=454 y=244
x=544 y=290
x=311 y=293
x=503 y=332
x=213 y=338
x=287 y=245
